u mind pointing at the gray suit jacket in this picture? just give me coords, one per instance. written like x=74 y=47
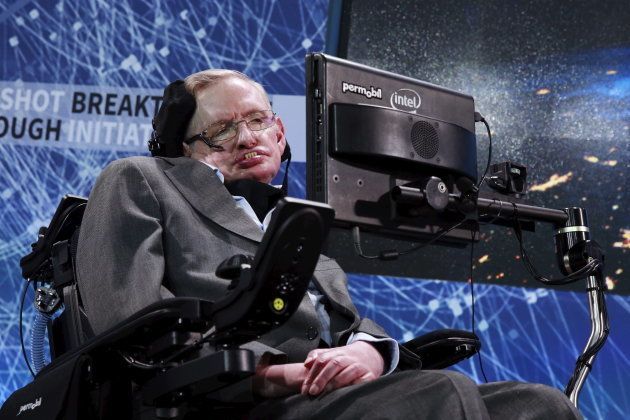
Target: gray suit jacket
x=158 y=227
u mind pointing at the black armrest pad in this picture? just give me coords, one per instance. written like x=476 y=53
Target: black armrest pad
x=442 y=348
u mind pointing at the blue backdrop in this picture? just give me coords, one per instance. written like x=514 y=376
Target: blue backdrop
x=59 y=56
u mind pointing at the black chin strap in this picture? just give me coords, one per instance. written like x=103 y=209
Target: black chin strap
x=285 y=179
x=262 y=197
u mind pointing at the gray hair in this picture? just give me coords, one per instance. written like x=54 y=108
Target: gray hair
x=201 y=80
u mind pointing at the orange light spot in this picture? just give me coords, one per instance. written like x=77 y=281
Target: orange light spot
x=625 y=240
x=554 y=181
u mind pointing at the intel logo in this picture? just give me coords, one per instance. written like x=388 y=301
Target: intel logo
x=405 y=100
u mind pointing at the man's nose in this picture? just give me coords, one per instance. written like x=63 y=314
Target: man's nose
x=245 y=137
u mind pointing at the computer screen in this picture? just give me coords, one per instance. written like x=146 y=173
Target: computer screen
x=371 y=131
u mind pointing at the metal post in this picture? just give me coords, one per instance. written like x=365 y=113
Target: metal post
x=599 y=333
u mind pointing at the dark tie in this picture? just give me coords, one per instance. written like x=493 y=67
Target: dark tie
x=262 y=197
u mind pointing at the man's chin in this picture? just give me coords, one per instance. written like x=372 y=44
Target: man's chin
x=255 y=174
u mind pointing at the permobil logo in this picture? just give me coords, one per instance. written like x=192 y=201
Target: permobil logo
x=369 y=93
x=30 y=406
x=405 y=100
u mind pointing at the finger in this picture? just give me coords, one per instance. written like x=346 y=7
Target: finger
x=315 y=368
x=328 y=372
x=308 y=364
x=348 y=376
x=366 y=377
x=343 y=378
x=351 y=375
x=312 y=355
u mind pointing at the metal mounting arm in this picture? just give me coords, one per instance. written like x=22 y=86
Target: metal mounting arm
x=574 y=252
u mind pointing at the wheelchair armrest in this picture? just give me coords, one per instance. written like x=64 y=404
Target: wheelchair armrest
x=145 y=327
x=443 y=348
x=108 y=362
x=68 y=215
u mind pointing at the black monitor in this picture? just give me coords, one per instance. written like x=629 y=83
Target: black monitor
x=369 y=131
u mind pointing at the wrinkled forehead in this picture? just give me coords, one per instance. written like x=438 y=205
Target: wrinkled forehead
x=229 y=99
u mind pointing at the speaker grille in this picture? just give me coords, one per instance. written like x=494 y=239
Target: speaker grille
x=424 y=139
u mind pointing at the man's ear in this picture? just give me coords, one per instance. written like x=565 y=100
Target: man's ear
x=282 y=141
x=186 y=149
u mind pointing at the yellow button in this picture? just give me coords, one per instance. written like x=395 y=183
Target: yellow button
x=278 y=304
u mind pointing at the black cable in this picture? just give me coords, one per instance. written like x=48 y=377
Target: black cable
x=356 y=239
x=479 y=117
x=472 y=294
x=588 y=269
x=28 y=283
x=434 y=239
x=393 y=254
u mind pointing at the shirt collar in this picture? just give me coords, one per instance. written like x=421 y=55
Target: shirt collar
x=215 y=170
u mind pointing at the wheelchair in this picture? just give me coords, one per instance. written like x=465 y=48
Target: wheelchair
x=178 y=358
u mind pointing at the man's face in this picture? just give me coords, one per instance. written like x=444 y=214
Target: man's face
x=251 y=154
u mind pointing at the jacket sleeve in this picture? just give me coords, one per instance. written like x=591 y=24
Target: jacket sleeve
x=120 y=256
x=120 y=261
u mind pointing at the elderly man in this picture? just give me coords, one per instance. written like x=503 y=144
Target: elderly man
x=159 y=227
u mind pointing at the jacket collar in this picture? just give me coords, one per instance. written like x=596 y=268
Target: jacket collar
x=205 y=192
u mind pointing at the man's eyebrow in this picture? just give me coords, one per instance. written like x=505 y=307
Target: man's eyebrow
x=253 y=111
x=229 y=120
x=221 y=122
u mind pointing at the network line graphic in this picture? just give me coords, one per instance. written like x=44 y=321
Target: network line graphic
x=133 y=46
x=150 y=43
x=527 y=334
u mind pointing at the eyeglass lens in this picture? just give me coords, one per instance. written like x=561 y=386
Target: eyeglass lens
x=255 y=121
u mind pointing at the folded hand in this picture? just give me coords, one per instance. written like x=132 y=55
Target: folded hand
x=329 y=369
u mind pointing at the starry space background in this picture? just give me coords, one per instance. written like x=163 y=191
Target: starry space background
x=551 y=78
x=553 y=81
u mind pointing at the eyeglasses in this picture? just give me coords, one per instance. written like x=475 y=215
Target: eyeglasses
x=217 y=134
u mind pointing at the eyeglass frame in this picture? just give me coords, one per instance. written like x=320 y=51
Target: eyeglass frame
x=234 y=123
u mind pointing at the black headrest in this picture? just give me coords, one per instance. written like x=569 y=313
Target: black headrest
x=171 y=121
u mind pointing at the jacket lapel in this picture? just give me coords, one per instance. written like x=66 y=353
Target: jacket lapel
x=328 y=281
x=205 y=192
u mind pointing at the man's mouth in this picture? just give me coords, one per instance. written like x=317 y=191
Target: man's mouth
x=250 y=159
